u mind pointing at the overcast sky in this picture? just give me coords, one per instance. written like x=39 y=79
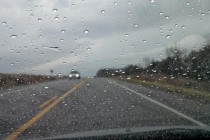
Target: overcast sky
x=86 y=35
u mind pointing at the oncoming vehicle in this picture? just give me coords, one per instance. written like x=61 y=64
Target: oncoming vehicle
x=74 y=75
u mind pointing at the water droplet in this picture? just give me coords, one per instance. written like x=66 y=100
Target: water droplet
x=46 y=87
x=56 y=18
x=152 y=1
x=64 y=18
x=64 y=63
x=183 y=27
x=62 y=31
x=4 y=23
x=89 y=48
x=61 y=40
x=144 y=41
x=166 y=17
x=161 y=13
x=39 y=19
x=129 y=2
x=115 y=3
x=11 y=64
x=31 y=15
x=13 y=36
x=55 y=10
x=126 y=34
x=136 y=25
x=86 y=31
x=23 y=34
x=168 y=36
x=187 y=3
x=102 y=11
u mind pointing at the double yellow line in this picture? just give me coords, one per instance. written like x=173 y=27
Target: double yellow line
x=29 y=123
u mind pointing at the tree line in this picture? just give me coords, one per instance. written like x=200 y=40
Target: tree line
x=194 y=65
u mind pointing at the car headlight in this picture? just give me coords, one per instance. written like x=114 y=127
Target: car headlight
x=77 y=75
x=70 y=75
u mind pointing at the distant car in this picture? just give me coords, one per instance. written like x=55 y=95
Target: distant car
x=74 y=75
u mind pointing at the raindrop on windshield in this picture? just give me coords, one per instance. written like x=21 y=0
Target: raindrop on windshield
x=86 y=31
x=183 y=27
x=13 y=36
x=102 y=11
x=4 y=23
x=115 y=3
x=89 y=48
x=55 y=10
x=56 y=18
x=23 y=34
x=62 y=31
x=39 y=19
x=168 y=36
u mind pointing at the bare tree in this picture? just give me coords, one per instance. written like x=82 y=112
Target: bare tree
x=175 y=60
x=175 y=52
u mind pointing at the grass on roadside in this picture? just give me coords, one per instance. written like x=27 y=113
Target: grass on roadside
x=13 y=80
x=188 y=92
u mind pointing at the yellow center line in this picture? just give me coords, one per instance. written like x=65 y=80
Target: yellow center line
x=25 y=126
x=48 y=101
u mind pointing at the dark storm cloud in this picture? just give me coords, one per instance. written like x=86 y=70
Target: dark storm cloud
x=92 y=34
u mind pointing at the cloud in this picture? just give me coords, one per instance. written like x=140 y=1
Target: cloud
x=43 y=67
x=192 y=41
x=115 y=36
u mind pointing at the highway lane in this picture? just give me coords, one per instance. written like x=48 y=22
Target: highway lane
x=96 y=104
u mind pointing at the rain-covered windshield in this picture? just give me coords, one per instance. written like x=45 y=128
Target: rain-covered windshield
x=134 y=64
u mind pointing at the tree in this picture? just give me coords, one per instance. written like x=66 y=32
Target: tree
x=175 y=60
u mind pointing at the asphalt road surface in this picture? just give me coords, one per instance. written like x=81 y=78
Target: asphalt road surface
x=68 y=106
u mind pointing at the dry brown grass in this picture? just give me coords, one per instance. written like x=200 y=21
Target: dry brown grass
x=175 y=81
x=12 y=80
x=188 y=87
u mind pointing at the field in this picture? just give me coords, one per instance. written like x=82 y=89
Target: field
x=13 y=80
x=186 y=87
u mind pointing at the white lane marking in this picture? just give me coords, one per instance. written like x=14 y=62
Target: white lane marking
x=164 y=106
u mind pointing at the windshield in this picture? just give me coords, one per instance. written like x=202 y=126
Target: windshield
x=74 y=72
x=140 y=64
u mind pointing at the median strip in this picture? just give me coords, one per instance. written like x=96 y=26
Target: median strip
x=29 y=123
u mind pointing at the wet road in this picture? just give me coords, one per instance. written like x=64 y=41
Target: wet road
x=67 y=106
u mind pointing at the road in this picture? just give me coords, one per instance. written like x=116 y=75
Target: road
x=68 y=106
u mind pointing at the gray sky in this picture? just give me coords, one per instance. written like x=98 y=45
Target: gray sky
x=37 y=36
